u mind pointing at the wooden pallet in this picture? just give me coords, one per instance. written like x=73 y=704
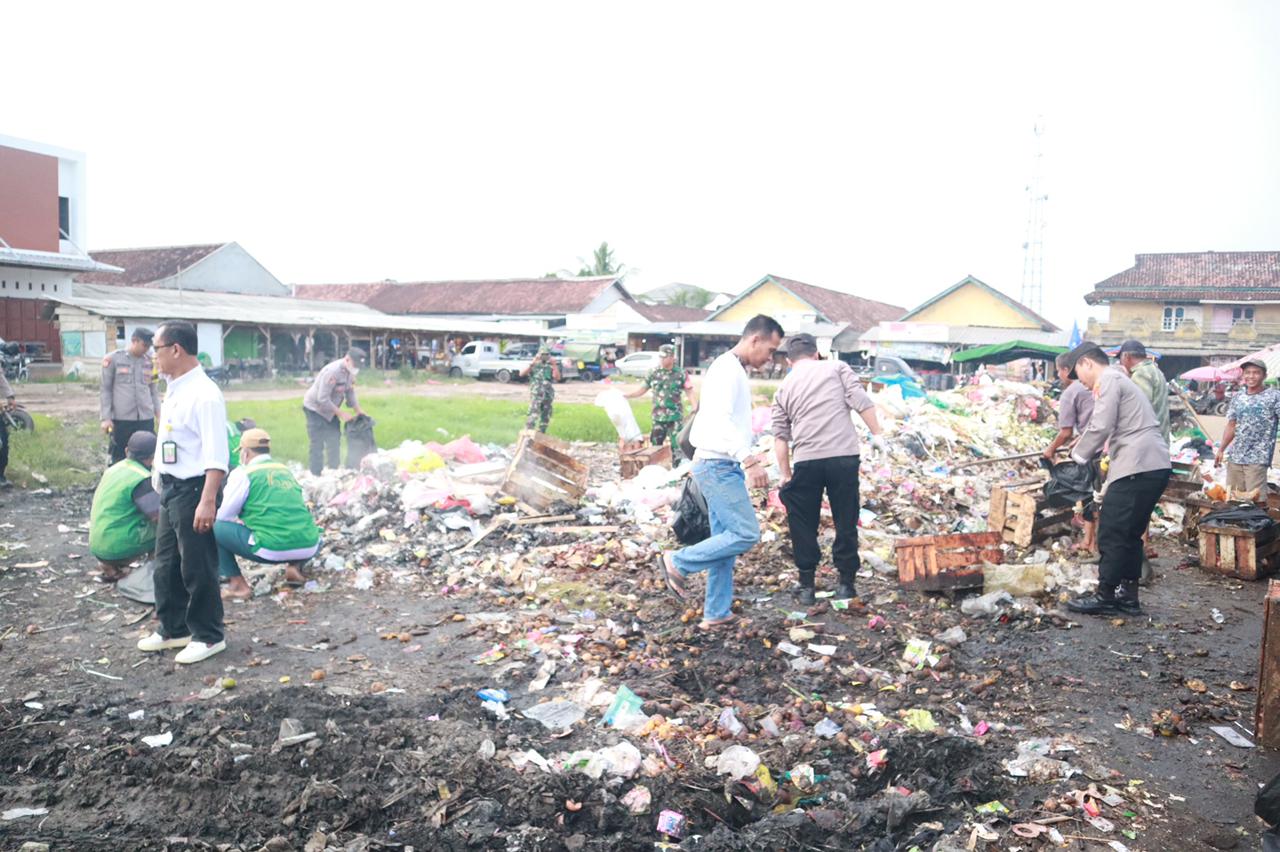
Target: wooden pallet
x=937 y=562
x=1018 y=511
x=633 y=459
x=542 y=473
x=1239 y=553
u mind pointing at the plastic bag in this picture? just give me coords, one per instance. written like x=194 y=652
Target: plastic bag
x=615 y=405
x=1069 y=483
x=360 y=441
x=690 y=522
x=1018 y=580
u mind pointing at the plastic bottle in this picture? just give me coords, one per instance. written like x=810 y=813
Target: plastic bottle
x=364 y=578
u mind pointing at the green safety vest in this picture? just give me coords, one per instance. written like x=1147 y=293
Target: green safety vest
x=117 y=530
x=233 y=447
x=275 y=510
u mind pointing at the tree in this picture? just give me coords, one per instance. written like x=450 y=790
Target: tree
x=691 y=297
x=602 y=263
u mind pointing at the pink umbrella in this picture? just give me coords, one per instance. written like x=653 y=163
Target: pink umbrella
x=1211 y=374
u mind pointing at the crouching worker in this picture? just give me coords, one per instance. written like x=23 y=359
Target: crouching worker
x=262 y=517
x=122 y=522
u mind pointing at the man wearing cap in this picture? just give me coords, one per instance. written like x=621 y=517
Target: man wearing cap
x=1249 y=441
x=130 y=395
x=1136 y=477
x=122 y=521
x=263 y=517
x=191 y=464
x=813 y=427
x=669 y=383
x=335 y=384
x=1147 y=376
x=541 y=372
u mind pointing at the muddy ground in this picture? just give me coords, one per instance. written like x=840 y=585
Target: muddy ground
x=406 y=755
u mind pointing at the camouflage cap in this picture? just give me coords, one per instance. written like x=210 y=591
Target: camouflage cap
x=666 y=350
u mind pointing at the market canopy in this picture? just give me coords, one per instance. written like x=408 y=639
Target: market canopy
x=1269 y=356
x=1013 y=350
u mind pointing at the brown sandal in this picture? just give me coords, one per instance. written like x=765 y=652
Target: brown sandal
x=709 y=625
x=672 y=577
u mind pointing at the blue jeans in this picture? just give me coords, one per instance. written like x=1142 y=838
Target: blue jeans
x=734 y=530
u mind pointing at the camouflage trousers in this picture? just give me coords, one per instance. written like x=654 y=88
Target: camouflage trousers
x=539 y=411
x=668 y=432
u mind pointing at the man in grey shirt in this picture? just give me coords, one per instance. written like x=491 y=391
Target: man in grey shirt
x=130 y=395
x=1139 y=470
x=1075 y=409
x=812 y=426
x=322 y=405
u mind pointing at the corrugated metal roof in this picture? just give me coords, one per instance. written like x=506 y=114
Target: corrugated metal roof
x=201 y=306
x=961 y=335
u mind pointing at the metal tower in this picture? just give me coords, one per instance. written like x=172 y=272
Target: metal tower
x=1033 y=247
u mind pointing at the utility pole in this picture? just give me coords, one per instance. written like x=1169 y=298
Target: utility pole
x=1033 y=246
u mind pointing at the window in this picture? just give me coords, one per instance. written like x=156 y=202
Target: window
x=468 y=349
x=1174 y=317
x=64 y=217
x=1242 y=315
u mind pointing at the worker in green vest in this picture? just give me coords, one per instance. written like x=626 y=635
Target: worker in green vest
x=263 y=517
x=122 y=522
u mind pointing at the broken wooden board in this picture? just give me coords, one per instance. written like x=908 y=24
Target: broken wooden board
x=542 y=473
x=937 y=562
x=1266 y=718
x=1239 y=553
x=1019 y=511
x=635 y=459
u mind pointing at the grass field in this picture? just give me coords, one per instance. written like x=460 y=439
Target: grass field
x=67 y=455
x=402 y=418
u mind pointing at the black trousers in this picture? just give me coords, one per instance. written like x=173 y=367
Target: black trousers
x=188 y=599
x=122 y=431
x=1126 y=511
x=802 y=496
x=4 y=445
x=324 y=439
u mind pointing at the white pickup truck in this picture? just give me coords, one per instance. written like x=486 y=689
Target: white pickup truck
x=480 y=359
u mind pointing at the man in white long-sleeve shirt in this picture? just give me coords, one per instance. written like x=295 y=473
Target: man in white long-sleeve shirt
x=723 y=467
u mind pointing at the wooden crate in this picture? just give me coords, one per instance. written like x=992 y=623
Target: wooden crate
x=1239 y=553
x=936 y=562
x=1019 y=512
x=635 y=458
x=542 y=473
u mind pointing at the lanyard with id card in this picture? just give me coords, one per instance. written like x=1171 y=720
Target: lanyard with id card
x=169 y=452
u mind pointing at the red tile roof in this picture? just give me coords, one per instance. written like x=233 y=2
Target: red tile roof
x=144 y=267
x=833 y=305
x=1246 y=276
x=669 y=313
x=514 y=296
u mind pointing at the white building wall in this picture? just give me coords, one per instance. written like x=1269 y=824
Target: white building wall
x=209 y=335
x=230 y=269
x=22 y=283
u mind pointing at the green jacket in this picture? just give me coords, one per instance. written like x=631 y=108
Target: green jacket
x=275 y=510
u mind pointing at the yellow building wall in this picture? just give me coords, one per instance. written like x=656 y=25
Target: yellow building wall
x=1124 y=313
x=768 y=299
x=971 y=305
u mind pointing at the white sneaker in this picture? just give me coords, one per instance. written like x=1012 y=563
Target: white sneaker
x=156 y=642
x=197 y=651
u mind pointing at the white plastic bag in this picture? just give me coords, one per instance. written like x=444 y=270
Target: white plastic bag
x=620 y=414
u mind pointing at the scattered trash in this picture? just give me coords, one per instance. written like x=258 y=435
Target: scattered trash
x=19 y=813
x=625 y=709
x=159 y=740
x=1232 y=736
x=826 y=729
x=1217 y=615
x=637 y=800
x=671 y=823
x=292 y=733
x=739 y=762
x=987 y=605
x=555 y=715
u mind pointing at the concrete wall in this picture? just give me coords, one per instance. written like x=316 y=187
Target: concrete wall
x=231 y=269
x=86 y=338
x=972 y=305
x=771 y=300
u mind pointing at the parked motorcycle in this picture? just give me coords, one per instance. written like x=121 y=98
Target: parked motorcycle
x=16 y=363
x=17 y=419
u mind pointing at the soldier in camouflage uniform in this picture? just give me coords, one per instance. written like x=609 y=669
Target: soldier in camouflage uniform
x=542 y=372
x=669 y=383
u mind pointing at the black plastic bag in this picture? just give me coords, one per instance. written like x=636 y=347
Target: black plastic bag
x=360 y=442
x=1267 y=803
x=1069 y=483
x=683 y=440
x=1247 y=517
x=691 y=522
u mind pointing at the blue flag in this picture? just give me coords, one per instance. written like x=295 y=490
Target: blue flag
x=1075 y=335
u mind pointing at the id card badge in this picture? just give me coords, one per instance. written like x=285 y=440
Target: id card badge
x=169 y=452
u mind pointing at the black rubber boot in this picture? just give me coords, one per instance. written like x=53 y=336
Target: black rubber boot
x=1127 y=598
x=845 y=591
x=805 y=595
x=1101 y=602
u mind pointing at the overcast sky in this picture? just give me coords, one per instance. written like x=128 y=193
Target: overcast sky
x=880 y=149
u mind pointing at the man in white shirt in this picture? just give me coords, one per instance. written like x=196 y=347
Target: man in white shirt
x=723 y=467
x=190 y=466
